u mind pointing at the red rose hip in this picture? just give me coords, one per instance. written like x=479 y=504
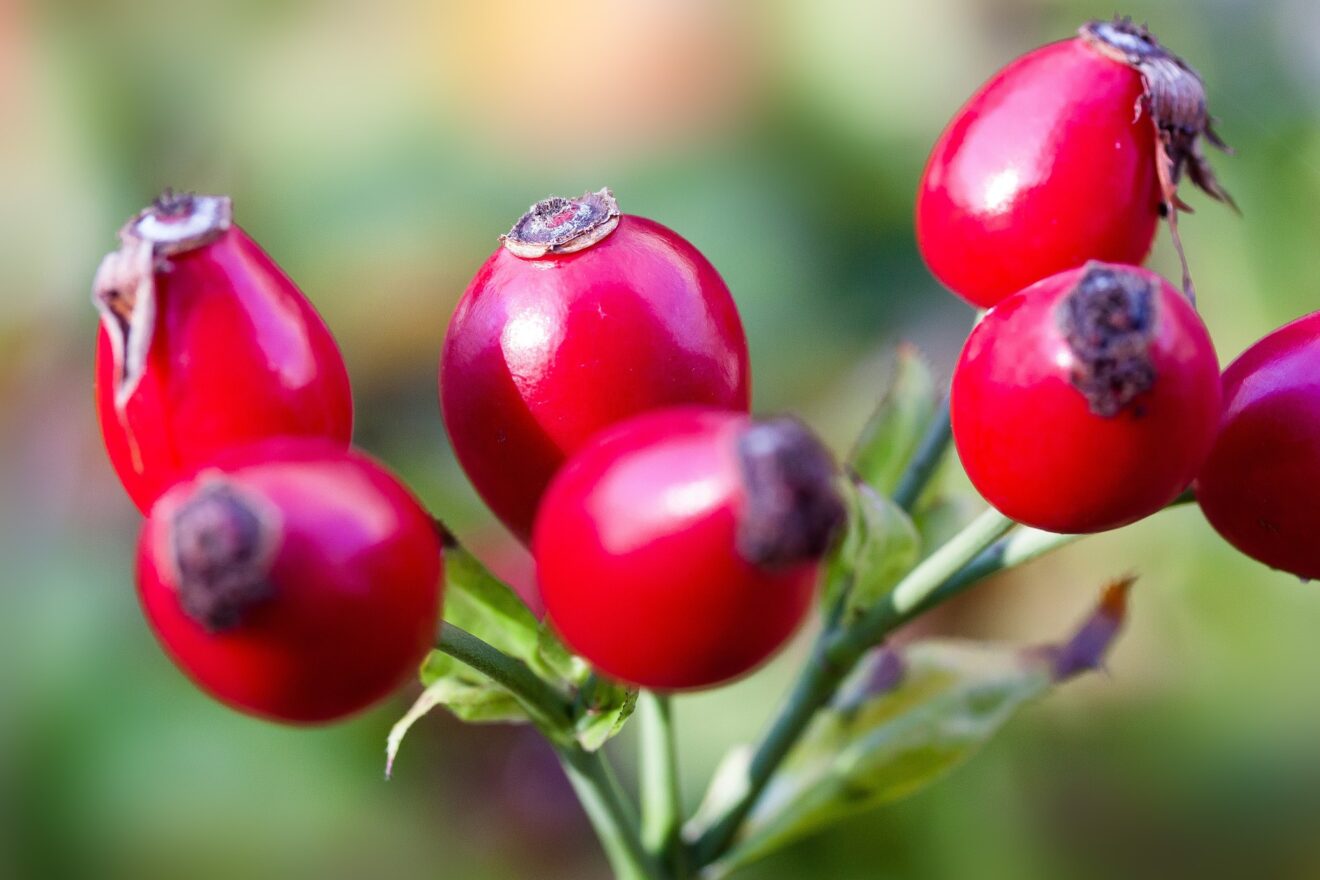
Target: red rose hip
x=1260 y=488
x=1087 y=401
x=680 y=548
x=292 y=579
x=205 y=344
x=582 y=318
x=1066 y=155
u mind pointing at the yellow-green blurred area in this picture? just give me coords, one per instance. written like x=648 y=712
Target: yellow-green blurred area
x=377 y=150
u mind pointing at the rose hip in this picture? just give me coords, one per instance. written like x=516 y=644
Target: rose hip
x=1068 y=154
x=1260 y=488
x=582 y=318
x=1087 y=401
x=205 y=344
x=680 y=549
x=292 y=579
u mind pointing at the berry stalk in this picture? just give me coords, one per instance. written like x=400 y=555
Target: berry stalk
x=662 y=804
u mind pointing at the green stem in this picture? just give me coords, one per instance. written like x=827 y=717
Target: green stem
x=610 y=814
x=1018 y=548
x=929 y=575
x=926 y=459
x=834 y=656
x=550 y=708
x=662 y=808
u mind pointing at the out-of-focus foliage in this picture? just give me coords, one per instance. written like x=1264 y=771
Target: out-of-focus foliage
x=377 y=150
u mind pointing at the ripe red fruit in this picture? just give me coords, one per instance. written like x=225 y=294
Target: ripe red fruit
x=1066 y=155
x=1260 y=488
x=680 y=548
x=581 y=319
x=292 y=579
x=205 y=344
x=1087 y=401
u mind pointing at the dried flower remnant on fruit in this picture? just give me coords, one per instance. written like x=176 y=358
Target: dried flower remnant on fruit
x=1175 y=98
x=1107 y=321
x=223 y=543
x=124 y=291
x=793 y=508
x=559 y=225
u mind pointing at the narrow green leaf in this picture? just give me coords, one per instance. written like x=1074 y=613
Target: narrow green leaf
x=728 y=785
x=468 y=694
x=554 y=660
x=905 y=719
x=612 y=705
x=488 y=608
x=880 y=546
x=891 y=435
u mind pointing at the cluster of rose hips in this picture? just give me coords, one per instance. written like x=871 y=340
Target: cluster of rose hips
x=293 y=577
x=594 y=384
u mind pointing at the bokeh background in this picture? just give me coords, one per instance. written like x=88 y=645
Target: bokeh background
x=376 y=150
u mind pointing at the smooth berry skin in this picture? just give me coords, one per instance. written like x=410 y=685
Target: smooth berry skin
x=1029 y=440
x=1052 y=163
x=1260 y=488
x=238 y=354
x=356 y=586
x=637 y=563
x=543 y=353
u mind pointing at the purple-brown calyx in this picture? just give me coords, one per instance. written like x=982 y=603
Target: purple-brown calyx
x=223 y=542
x=1107 y=321
x=793 y=507
x=559 y=225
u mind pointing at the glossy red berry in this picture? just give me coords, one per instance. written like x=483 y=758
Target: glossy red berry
x=292 y=579
x=205 y=344
x=582 y=318
x=1087 y=401
x=1260 y=488
x=680 y=548
x=1065 y=155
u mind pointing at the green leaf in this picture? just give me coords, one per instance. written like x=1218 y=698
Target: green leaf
x=728 y=785
x=880 y=546
x=465 y=692
x=554 y=660
x=488 y=608
x=895 y=428
x=905 y=719
x=610 y=706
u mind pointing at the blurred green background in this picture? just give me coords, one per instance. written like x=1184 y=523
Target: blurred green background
x=377 y=150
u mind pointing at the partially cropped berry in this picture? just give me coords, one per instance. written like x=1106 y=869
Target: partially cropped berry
x=205 y=344
x=582 y=318
x=1070 y=153
x=1087 y=401
x=1260 y=488
x=292 y=579
x=680 y=549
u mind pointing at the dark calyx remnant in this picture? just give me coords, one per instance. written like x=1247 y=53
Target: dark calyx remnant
x=223 y=549
x=1174 y=96
x=1108 y=320
x=561 y=226
x=173 y=204
x=793 y=508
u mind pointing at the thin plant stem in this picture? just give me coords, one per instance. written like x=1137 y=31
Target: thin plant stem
x=662 y=808
x=546 y=704
x=926 y=459
x=610 y=814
